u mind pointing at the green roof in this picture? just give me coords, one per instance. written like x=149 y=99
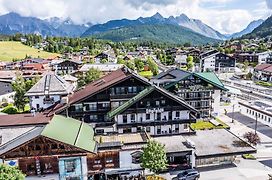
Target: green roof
x=70 y=131
x=211 y=78
x=127 y=104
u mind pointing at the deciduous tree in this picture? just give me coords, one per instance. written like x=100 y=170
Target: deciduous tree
x=90 y=76
x=154 y=157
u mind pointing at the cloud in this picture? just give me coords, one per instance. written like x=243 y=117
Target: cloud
x=140 y=3
x=225 y=20
x=269 y=4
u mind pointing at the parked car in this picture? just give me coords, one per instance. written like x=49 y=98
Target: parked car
x=189 y=174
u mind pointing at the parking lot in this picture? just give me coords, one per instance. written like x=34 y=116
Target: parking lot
x=241 y=170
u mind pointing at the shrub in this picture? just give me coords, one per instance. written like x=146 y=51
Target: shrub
x=7 y=172
x=249 y=156
x=252 y=138
x=10 y=110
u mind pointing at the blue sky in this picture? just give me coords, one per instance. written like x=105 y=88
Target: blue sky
x=226 y=16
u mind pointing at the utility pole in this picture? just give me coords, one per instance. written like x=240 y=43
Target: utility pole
x=256 y=123
x=232 y=119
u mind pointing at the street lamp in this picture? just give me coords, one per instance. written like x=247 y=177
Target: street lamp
x=232 y=117
x=256 y=123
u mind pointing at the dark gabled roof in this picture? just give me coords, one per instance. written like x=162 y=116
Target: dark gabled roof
x=176 y=73
x=144 y=93
x=179 y=75
x=100 y=85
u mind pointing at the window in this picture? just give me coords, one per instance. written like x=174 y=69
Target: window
x=158 y=116
x=123 y=90
x=109 y=160
x=158 y=129
x=186 y=126
x=177 y=114
x=124 y=118
x=118 y=90
x=97 y=161
x=130 y=89
x=157 y=103
x=99 y=131
x=36 y=97
x=105 y=105
x=136 y=156
x=148 y=103
x=132 y=117
x=78 y=107
x=163 y=102
x=70 y=165
x=93 y=117
x=134 y=89
x=176 y=128
x=147 y=116
x=92 y=107
x=147 y=129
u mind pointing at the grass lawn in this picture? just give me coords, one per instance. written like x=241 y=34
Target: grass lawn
x=249 y=156
x=147 y=74
x=225 y=126
x=202 y=125
x=10 y=50
x=262 y=83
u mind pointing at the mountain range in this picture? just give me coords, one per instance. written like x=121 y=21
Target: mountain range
x=262 y=31
x=12 y=23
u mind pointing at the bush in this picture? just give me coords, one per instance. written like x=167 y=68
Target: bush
x=10 y=110
x=252 y=138
x=7 y=172
x=249 y=156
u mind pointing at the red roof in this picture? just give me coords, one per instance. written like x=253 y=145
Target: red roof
x=261 y=67
x=98 y=85
x=24 y=119
x=34 y=66
x=268 y=69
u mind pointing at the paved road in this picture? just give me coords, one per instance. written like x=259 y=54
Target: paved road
x=249 y=122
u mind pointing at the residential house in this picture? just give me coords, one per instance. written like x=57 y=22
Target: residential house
x=269 y=59
x=109 y=56
x=62 y=67
x=264 y=56
x=155 y=111
x=95 y=104
x=200 y=90
x=6 y=91
x=263 y=72
x=249 y=57
x=50 y=89
x=104 y=68
x=217 y=62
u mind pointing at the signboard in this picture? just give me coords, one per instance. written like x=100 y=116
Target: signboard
x=154 y=110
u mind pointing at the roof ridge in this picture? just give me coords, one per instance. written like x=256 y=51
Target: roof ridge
x=79 y=130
